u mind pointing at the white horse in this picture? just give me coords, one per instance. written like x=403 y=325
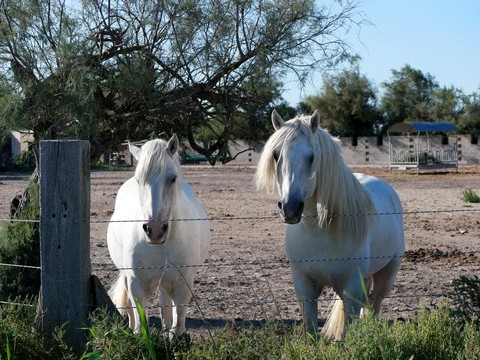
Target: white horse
x=330 y=215
x=157 y=251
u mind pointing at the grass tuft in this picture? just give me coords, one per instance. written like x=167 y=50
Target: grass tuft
x=470 y=196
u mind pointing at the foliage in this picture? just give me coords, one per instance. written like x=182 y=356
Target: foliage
x=347 y=104
x=110 y=71
x=470 y=196
x=466 y=298
x=408 y=96
x=448 y=104
x=469 y=122
x=25 y=160
x=20 y=245
x=21 y=339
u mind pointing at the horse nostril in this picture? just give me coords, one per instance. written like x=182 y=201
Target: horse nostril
x=280 y=205
x=147 y=229
x=165 y=227
x=300 y=206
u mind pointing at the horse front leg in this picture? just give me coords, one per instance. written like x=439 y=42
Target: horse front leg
x=181 y=298
x=307 y=295
x=353 y=300
x=166 y=310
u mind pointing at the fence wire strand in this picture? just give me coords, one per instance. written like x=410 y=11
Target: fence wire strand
x=266 y=217
x=102 y=267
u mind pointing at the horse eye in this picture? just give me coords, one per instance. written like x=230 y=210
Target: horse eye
x=275 y=156
x=174 y=178
x=310 y=159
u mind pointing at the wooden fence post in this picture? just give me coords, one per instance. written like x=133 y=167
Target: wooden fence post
x=65 y=295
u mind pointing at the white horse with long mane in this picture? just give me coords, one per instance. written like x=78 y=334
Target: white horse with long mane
x=344 y=230
x=164 y=248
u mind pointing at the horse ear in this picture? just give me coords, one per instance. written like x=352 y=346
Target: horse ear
x=315 y=121
x=172 y=145
x=134 y=150
x=277 y=120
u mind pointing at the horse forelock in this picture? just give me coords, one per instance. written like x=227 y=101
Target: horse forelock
x=266 y=175
x=153 y=161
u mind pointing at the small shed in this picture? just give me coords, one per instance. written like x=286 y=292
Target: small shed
x=430 y=147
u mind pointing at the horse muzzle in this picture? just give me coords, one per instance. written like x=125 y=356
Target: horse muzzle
x=291 y=212
x=156 y=231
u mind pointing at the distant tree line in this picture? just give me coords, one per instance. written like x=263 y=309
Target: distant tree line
x=351 y=105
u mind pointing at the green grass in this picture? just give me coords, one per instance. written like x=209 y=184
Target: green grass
x=470 y=196
x=431 y=335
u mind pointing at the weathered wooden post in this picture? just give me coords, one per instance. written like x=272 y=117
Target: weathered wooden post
x=65 y=238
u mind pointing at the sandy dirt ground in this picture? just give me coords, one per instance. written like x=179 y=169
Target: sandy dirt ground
x=246 y=276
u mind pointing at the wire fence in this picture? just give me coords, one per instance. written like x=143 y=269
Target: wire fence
x=260 y=300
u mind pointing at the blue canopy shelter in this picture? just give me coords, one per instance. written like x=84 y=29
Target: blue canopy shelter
x=423 y=151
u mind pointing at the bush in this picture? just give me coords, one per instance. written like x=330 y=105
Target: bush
x=466 y=298
x=25 y=160
x=20 y=245
x=21 y=339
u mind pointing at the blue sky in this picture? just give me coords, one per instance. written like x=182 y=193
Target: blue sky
x=438 y=37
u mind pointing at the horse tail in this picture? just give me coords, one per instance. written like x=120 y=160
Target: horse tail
x=118 y=294
x=335 y=324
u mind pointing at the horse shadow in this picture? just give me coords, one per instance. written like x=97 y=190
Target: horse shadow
x=197 y=324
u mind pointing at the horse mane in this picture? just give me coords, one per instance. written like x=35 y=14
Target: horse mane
x=342 y=202
x=152 y=161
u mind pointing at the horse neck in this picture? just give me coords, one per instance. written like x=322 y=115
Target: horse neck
x=341 y=203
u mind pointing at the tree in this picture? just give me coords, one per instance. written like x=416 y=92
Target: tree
x=447 y=104
x=347 y=104
x=408 y=96
x=118 y=69
x=469 y=122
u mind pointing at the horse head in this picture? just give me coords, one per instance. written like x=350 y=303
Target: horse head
x=157 y=174
x=294 y=154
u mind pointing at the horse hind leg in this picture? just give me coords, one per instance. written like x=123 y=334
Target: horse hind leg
x=383 y=281
x=136 y=295
x=307 y=295
x=119 y=295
